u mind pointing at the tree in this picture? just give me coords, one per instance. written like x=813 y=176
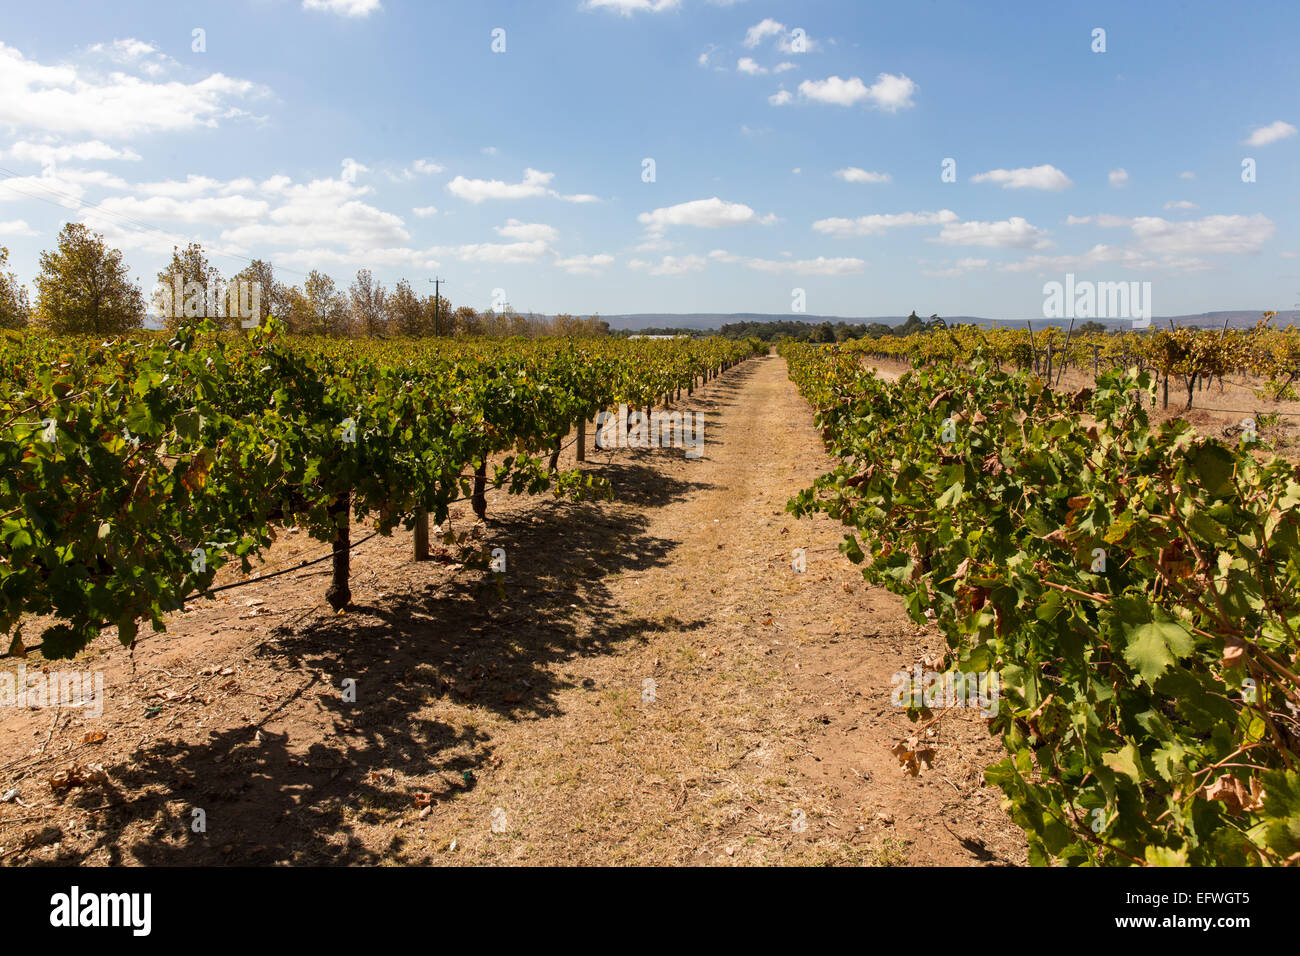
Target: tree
x=290 y=306
x=515 y=323
x=369 y=304
x=823 y=333
x=329 y=309
x=14 y=308
x=258 y=278
x=405 y=310
x=1093 y=327
x=294 y=308
x=464 y=321
x=84 y=286
x=914 y=323
x=189 y=289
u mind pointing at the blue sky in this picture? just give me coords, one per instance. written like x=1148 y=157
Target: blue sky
x=796 y=145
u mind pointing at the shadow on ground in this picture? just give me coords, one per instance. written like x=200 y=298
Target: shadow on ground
x=292 y=783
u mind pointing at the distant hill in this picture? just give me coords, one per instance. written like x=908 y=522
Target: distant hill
x=1237 y=319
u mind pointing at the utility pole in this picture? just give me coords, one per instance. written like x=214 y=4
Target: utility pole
x=436 y=284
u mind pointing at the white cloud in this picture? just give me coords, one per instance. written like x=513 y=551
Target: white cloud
x=65 y=99
x=585 y=265
x=768 y=27
x=821 y=266
x=477 y=190
x=1272 y=133
x=1013 y=233
x=534 y=183
x=93 y=177
x=786 y=43
x=878 y=224
x=527 y=231
x=1109 y=221
x=360 y=258
x=1160 y=244
x=352 y=169
x=1181 y=204
x=1118 y=178
x=761 y=31
x=1077 y=220
x=959 y=268
x=143 y=56
x=670 y=265
x=1032 y=177
x=49 y=185
x=628 y=7
x=398 y=256
x=852 y=174
x=344 y=8
x=1187 y=174
x=747 y=65
x=276 y=184
x=502 y=253
x=203 y=211
x=426 y=167
x=782 y=67
x=1098 y=255
x=710 y=213
x=192 y=186
x=1212 y=234
x=425 y=212
x=127 y=49
x=47 y=154
x=16 y=227
x=325 y=211
x=889 y=93
x=156 y=242
x=780 y=98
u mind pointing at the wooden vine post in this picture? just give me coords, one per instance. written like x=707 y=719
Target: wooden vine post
x=582 y=438
x=421 y=535
x=478 y=500
x=339 y=594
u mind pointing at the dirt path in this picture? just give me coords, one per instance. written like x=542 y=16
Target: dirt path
x=656 y=685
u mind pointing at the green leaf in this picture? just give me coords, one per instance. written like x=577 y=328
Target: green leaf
x=1164 y=856
x=1154 y=647
x=950 y=497
x=1125 y=761
x=1214 y=466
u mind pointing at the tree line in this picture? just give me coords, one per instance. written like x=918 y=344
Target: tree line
x=84 y=286
x=825 y=331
